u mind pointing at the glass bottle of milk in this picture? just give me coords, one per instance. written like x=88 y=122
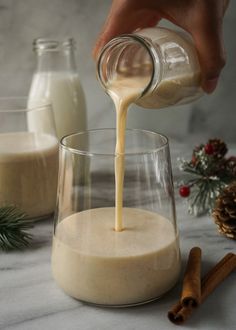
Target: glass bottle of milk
x=163 y=62
x=57 y=80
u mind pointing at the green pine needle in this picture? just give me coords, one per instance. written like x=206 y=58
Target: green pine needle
x=206 y=175
x=13 y=229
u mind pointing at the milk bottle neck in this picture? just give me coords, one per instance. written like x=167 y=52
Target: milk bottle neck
x=128 y=57
x=55 y=56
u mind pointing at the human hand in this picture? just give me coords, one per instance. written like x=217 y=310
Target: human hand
x=201 y=18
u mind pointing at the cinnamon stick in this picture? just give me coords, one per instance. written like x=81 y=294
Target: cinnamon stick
x=191 y=292
x=179 y=313
x=217 y=274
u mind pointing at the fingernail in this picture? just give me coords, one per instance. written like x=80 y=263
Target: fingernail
x=210 y=85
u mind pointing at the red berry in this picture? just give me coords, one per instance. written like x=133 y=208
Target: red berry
x=184 y=191
x=209 y=150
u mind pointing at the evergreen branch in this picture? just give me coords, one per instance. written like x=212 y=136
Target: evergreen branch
x=13 y=229
x=203 y=196
x=209 y=171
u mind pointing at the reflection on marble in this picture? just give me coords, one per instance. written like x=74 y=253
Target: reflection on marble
x=30 y=300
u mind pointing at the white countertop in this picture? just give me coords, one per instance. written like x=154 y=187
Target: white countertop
x=30 y=299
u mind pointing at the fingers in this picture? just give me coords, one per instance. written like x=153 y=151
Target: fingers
x=225 y=5
x=208 y=39
x=202 y=18
x=211 y=55
x=124 y=19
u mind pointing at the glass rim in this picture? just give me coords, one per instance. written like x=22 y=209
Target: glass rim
x=154 y=54
x=90 y=154
x=4 y=108
x=53 y=44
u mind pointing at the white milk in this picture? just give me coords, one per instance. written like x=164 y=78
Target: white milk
x=28 y=172
x=94 y=263
x=64 y=90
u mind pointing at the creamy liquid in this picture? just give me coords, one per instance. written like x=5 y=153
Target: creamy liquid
x=173 y=91
x=126 y=90
x=181 y=84
x=64 y=90
x=28 y=172
x=94 y=263
x=132 y=260
x=122 y=97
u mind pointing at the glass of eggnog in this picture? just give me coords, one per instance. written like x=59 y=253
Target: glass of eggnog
x=115 y=237
x=28 y=157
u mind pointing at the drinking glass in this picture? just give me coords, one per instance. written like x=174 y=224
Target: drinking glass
x=28 y=157
x=93 y=262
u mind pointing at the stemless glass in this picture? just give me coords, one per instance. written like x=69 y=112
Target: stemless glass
x=28 y=157
x=90 y=260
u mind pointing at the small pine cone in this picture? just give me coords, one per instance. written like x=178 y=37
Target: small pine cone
x=224 y=213
x=219 y=148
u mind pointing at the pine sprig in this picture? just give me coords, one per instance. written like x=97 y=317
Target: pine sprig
x=13 y=229
x=209 y=171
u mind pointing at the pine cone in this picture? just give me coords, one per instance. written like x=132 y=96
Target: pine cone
x=224 y=213
x=219 y=148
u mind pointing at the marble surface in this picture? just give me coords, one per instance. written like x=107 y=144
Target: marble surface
x=22 y=21
x=30 y=299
